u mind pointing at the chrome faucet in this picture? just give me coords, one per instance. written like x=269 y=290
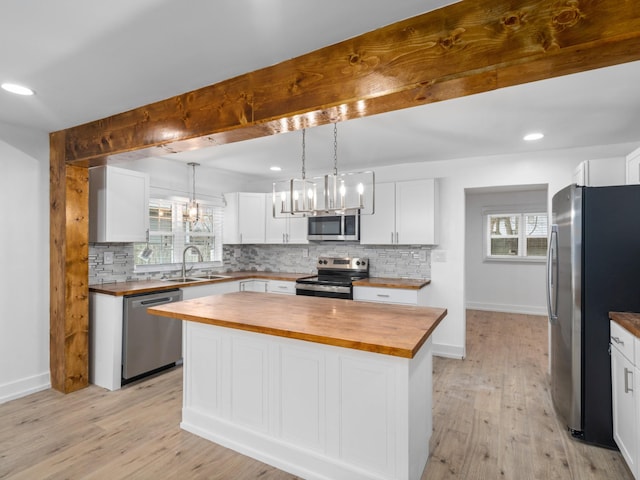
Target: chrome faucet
x=184 y=259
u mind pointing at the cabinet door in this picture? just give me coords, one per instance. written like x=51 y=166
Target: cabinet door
x=251 y=223
x=275 y=228
x=416 y=210
x=386 y=295
x=380 y=228
x=297 y=230
x=197 y=291
x=623 y=385
x=253 y=286
x=282 y=287
x=230 y=229
x=119 y=205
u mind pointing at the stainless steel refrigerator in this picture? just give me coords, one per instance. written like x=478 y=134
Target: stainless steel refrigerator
x=593 y=267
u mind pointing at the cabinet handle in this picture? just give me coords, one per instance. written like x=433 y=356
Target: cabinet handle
x=284 y=239
x=397 y=237
x=391 y=237
x=628 y=389
x=282 y=287
x=617 y=340
x=240 y=238
x=383 y=295
x=287 y=238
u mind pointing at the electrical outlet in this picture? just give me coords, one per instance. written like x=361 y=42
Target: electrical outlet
x=236 y=252
x=305 y=253
x=108 y=258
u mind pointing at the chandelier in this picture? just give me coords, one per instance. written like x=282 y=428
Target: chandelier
x=193 y=212
x=341 y=193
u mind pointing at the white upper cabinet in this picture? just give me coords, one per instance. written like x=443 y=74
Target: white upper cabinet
x=244 y=220
x=406 y=213
x=283 y=229
x=118 y=205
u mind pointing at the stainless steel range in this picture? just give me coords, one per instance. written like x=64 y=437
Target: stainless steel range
x=335 y=278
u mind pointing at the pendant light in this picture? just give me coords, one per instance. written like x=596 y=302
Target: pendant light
x=296 y=196
x=343 y=194
x=193 y=212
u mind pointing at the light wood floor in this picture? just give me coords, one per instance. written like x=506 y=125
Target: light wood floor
x=493 y=419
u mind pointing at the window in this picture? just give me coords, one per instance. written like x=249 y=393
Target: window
x=516 y=235
x=170 y=232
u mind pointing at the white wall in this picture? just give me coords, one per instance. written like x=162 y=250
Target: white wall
x=501 y=286
x=448 y=259
x=24 y=261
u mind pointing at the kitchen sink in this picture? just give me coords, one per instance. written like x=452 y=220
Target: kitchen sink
x=210 y=276
x=184 y=279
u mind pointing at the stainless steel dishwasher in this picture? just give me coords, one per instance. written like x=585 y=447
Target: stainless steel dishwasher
x=149 y=343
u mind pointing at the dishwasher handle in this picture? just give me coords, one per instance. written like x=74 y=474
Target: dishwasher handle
x=156 y=301
x=151 y=300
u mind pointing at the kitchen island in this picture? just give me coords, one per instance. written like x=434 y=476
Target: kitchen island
x=322 y=388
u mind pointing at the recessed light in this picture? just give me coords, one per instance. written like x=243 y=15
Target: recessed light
x=530 y=137
x=17 y=89
x=275 y=168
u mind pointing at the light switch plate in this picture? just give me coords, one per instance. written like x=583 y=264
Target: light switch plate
x=108 y=258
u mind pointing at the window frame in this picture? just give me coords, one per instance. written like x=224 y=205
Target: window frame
x=177 y=205
x=521 y=211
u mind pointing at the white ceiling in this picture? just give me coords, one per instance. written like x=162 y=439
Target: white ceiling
x=87 y=60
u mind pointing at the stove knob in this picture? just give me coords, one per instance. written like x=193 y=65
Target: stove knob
x=364 y=263
x=358 y=263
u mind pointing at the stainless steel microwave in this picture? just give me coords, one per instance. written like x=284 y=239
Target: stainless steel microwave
x=335 y=227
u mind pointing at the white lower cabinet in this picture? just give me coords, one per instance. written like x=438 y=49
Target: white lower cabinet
x=253 y=286
x=209 y=289
x=105 y=340
x=281 y=286
x=625 y=400
x=403 y=296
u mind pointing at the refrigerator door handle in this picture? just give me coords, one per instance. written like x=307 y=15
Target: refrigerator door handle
x=552 y=304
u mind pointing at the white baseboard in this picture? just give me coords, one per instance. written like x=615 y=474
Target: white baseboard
x=282 y=455
x=448 y=351
x=506 y=308
x=24 y=386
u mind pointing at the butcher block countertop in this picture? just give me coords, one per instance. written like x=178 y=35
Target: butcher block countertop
x=145 y=286
x=629 y=321
x=398 y=330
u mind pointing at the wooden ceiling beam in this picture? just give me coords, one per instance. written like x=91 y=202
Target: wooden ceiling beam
x=466 y=48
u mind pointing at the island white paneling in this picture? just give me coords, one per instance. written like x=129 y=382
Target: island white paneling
x=314 y=410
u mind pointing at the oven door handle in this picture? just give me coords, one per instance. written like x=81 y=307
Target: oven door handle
x=323 y=288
